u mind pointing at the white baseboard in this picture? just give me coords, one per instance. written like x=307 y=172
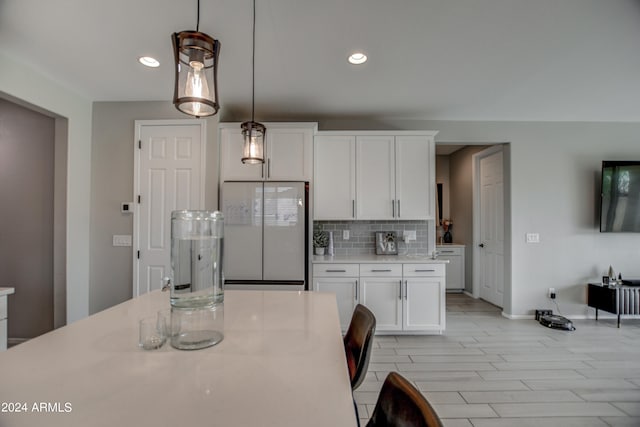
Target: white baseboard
x=518 y=316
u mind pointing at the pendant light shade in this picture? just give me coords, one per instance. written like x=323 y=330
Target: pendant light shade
x=196 y=60
x=253 y=150
x=254 y=133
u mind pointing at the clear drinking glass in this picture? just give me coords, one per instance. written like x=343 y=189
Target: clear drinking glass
x=153 y=332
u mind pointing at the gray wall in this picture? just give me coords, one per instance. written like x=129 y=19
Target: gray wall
x=20 y=82
x=111 y=277
x=27 y=143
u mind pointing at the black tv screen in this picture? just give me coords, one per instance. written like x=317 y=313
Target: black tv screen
x=620 y=196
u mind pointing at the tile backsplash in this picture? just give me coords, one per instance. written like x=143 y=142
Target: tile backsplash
x=362 y=236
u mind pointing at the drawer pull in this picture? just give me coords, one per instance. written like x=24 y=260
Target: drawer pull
x=381 y=271
x=424 y=271
x=447 y=252
x=335 y=271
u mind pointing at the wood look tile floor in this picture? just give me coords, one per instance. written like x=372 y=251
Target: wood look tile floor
x=486 y=370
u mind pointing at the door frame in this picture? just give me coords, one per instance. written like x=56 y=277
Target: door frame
x=136 y=180
x=506 y=175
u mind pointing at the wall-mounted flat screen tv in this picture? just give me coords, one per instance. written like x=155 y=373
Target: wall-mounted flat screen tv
x=620 y=196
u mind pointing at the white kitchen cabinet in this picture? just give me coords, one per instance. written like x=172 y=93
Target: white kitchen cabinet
x=375 y=169
x=405 y=297
x=411 y=300
x=341 y=279
x=334 y=178
x=381 y=292
x=415 y=177
x=288 y=153
x=455 y=268
x=424 y=297
x=374 y=175
x=383 y=296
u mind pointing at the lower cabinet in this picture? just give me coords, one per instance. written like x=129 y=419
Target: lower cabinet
x=341 y=279
x=455 y=269
x=3 y=323
x=383 y=298
x=405 y=298
x=346 y=291
x=424 y=307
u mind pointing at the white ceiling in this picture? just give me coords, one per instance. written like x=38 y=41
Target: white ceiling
x=557 y=60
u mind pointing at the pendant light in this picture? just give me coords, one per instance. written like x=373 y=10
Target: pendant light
x=254 y=133
x=196 y=59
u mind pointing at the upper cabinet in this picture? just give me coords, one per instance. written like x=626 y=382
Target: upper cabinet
x=334 y=184
x=415 y=177
x=374 y=176
x=288 y=153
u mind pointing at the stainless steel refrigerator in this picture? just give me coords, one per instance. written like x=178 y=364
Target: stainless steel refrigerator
x=265 y=234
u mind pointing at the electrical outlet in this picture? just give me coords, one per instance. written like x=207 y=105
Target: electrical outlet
x=552 y=293
x=409 y=235
x=345 y=234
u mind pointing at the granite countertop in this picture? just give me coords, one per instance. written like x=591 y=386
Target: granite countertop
x=426 y=259
x=6 y=291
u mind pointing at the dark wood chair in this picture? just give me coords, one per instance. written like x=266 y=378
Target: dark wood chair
x=400 y=404
x=358 y=342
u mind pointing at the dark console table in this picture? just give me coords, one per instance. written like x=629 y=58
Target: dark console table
x=618 y=299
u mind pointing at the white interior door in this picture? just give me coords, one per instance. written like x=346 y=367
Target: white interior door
x=169 y=175
x=491 y=233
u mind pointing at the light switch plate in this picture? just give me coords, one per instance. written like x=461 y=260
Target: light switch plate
x=121 y=240
x=345 y=234
x=410 y=235
x=533 y=238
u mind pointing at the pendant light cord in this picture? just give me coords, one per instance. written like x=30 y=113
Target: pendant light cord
x=253 y=64
x=198 y=21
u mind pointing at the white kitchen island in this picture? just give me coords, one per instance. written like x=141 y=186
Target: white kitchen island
x=281 y=363
x=4 y=293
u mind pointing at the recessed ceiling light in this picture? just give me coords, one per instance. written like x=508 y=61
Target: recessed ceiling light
x=149 y=61
x=358 y=58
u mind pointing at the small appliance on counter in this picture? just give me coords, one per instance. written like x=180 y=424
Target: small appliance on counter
x=386 y=243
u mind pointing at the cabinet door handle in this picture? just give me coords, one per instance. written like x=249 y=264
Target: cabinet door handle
x=393 y=209
x=398 y=208
x=406 y=289
x=335 y=271
x=268 y=168
x=381 y=271
x=353 y=208
x=356 y=291
x=400 y=288
x=424 y=271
